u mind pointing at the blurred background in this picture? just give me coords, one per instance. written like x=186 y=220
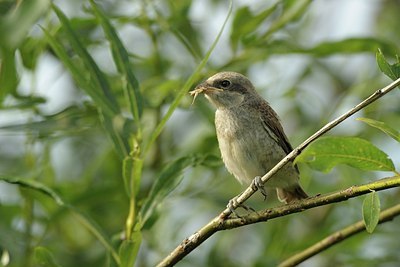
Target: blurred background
x=312 y=61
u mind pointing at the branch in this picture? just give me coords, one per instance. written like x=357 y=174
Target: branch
x=221 y=223
x=337 y=237
x=200 y=236
x=240 y=199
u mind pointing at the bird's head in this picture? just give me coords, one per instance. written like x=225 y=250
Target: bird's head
x=225 y=89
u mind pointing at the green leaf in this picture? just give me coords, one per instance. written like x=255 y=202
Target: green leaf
x=185 y=88
x=350 y=45
x=392 y=71
x=169 y=178
x=245 y=23
x=34 y=185
x=132 y=172
x=45 y=258
x=78 y=73
x=393 y=133
x=8 y=73
x=346 y=46
x=129 y=249
x=99 y=88
x=371 y=209
x=121 y=59
x=327 y=152
x=96 y=230
x=292 y=11
x=71 y=121
x=84 y=220
x=15 y=26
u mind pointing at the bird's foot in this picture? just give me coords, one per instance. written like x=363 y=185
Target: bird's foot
x=233 y=204
x=257 y=184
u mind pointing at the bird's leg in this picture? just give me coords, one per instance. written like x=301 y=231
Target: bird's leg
x=233 y=203
x=257 y=184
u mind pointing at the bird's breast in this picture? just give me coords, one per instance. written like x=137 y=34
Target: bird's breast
x=238 y=139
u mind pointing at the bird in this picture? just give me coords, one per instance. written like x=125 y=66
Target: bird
x=250 y=136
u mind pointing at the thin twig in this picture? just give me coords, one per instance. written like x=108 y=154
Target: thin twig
x=214 y=225
x=337 y=237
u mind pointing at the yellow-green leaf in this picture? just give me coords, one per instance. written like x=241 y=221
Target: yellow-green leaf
x=371 y=209
x=383 y=127
x=327 y=152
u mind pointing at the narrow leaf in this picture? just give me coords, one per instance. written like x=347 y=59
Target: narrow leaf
x=15 y=26
x=293 y=10
x=132 y=170
x=168 y=179
x=129 y=249
x=78 y=74
x=392 y=71
x=8 y=73
x=86 y=221
x=96 y=230
x=45 y=258
x=183 y=91
x=34 y=185
x=393 y=133
x=121 y=58
x=327 y=152
x=107 y=110
x=371 y=209
x=101 y=87
x=245 y=23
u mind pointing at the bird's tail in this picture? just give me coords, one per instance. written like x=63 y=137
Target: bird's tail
x=292 y=194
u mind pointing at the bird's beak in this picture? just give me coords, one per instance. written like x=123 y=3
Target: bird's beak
x=203 y=88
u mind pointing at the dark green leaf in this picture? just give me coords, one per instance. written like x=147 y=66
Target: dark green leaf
x=351 y=45
x=185 y=88
x=45 y=258
x=392 y=71
x=72 y=120
x=121 y=59
x=245 y=23
x=8 y=73
x=166 y=182
x=86 y=221
x=129 y=249
x=132 y=171
x=327 y=152
x=292 y=11
x=371 y=209
x=78 y=74
x=34 y=185
x=114 y=129
x=383 y=127
x=30 y=50
x=346 y=46
x=100 y=89
x=15 y=25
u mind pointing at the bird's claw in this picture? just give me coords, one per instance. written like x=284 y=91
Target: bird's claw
x=233 y=204
x=257 y=184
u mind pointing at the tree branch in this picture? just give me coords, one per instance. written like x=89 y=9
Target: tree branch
x=221 y=223
x=214 y=225
x=337 y=237
x=241 y=198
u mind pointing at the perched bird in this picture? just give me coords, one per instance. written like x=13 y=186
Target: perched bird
x=250 y=136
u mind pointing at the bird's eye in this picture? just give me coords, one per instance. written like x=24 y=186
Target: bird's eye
x=225 y=83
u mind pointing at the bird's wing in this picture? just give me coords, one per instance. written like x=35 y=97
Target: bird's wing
x=274 y=128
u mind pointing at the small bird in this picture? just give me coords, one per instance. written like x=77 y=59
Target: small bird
x=250 y=137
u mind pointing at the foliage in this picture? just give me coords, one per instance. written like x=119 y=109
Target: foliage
x=108 y=164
